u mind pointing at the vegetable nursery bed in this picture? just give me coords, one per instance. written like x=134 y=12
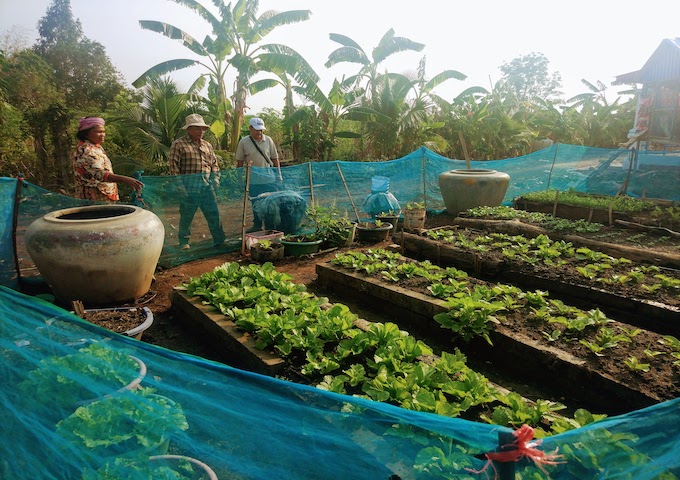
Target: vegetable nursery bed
x=242 y=347
x=656 y=310
x=520 y=348
x=239 y=344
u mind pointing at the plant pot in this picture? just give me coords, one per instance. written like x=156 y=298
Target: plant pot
x=393 y=219
x=100 y=254
x=465 y=189
x=133 y=385
x=414 y=218
x=203 y=467
x=158 y=466
x=260 y=255
x=294 y=249
x=253 y=238
x=351 y=234
x=145 y=319
x=339 y=236
x=369 y=232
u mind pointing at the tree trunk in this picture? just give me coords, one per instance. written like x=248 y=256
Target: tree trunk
x=41 y=154
x=61 y=143
x=239 y=109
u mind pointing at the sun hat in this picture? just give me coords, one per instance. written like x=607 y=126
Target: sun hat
x=87 y=123
x=194 y=120
x=257 y=123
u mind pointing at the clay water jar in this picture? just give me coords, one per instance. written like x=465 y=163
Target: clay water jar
x=465 y=189
x=99 y=254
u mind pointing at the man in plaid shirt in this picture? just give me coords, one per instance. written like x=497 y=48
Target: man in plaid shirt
x=194 y=159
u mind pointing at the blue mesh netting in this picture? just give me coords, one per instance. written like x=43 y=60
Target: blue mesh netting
x=348 y=185
x=248 y=426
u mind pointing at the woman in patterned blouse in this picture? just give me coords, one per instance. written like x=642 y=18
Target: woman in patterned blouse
x=94 y=175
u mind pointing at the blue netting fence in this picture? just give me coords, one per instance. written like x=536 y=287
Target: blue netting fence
x=348 y=186
x=248 y=426
x=245 y=425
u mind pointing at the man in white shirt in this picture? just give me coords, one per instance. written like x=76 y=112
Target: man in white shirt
x=258 y=151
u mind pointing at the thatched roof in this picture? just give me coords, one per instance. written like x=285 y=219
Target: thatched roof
x=663 y=66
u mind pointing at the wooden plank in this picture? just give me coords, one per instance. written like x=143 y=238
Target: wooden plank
x=235 y=340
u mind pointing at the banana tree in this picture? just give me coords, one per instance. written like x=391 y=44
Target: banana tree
x=351 y=52
x=332 y=108
x=300 y=75
x=235 y=41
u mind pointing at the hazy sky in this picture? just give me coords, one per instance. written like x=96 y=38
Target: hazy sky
x=594 y=39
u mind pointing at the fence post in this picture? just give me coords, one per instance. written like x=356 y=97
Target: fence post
x=422 y=162
x=506 y=470
x=552 y=166
x=15 y=222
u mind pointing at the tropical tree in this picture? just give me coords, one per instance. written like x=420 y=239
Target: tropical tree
x=326 y=117
x=603 y=124
x=528 y=78
x=558 y=123
x=83 y=76
x=154 y=122
x=28 y=91
x=305 y=76
x=236 y=35
x=368 y=74
x=491 y=123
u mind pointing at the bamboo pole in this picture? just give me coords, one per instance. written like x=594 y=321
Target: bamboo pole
x=15 y=223
x=245 y=209
x=356 y=212
x=552 y=167
x=424 y=180
x=465 y=150
x=311 y=182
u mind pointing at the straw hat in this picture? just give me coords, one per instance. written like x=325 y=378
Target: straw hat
x=194 y=120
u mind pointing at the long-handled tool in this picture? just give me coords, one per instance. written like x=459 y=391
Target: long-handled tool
x=356 y=212
x=245 y=209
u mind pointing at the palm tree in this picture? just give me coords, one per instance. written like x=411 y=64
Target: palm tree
x=157 y=121
x=235 y=41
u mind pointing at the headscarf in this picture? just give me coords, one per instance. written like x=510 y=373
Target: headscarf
x=87 y=123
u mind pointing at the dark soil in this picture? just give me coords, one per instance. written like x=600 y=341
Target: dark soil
x=119 y=321
x=662 y=381
x=174 y=332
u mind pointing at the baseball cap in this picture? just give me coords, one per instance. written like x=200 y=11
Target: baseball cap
x=257 y=123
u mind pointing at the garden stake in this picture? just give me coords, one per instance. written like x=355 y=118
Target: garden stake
x=245 y=208
x=514 y=447
x=311 y=182
x=422 y=166
x=465 y=152
x=15 y=223
x=348 y=194
x=557 y=195
x=552 y=166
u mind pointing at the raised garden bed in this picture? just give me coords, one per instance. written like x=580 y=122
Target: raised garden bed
x=591 y=207
x=648 y=302
x=668 y=256
x=327 y=346
x=519 y=342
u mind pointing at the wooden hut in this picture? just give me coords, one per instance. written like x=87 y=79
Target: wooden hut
x=657 y=116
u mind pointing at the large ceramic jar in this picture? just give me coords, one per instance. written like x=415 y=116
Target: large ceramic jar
x=100 y=254
x=464 y=189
